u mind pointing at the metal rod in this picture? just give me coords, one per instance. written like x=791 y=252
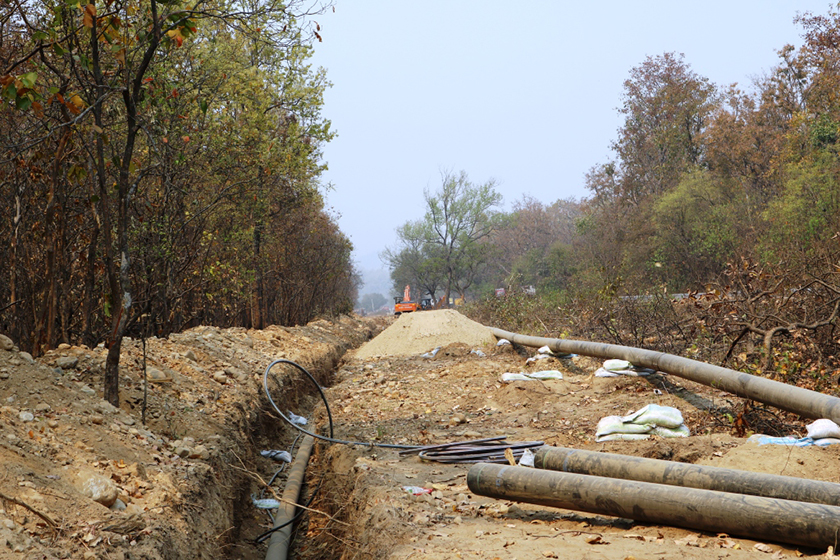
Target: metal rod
x=627 y=467
x=808 y=404
x=278 y=546
x=754 y=517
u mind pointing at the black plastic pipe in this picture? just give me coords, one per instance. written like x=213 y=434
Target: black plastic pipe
x=627 y=467
x=808 y=404
x=754 y=517
x=278 y=546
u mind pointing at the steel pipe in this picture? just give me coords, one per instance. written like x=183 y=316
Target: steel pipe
x=754 y=517
x=627 y=467
x=806 y=403
x=278 y=546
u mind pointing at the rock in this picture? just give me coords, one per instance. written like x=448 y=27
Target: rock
x=98 y=488
x=43 y=407
x=119 y=505
x=64 y=346
x=4 y=374
x=190 y=355
x=67 y=362
x=86 y=389
x=6 y=343
x=104 y=407
x=27 y=357
x=52 y=424
x=200 y=452
x=220 y=377
x=155 y=375
x=183 y=452
x=97 y=419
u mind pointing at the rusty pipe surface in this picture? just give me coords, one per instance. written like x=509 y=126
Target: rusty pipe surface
x=627 y=467
x=754 y=517
x=278 y=546
x=804 y=402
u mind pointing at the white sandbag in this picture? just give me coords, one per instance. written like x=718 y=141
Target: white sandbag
x=546 y=374
x=664 y=416
x=681 y=431
x=622 y=437
x=508 y=377
x=601 y=372
x=545 y=350
x=617 y=365
x=614 y=425
x=823 y=428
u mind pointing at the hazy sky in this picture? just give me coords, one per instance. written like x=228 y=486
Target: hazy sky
x=525 y=93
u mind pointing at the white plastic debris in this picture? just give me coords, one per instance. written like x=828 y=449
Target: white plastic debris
x=478 y=353
x=537 y=358
x=545 y=350
x=545 y=374
x=265 y=503
x=417 y=490
x=502 y=342
x=277 y=455
x=527 y=459
x=299 y=420
x=430 y=354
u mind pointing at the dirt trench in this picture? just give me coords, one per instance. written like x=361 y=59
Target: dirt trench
x=182 y=484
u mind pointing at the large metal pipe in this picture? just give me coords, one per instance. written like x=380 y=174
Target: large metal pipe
x=755 y=517
x=627 y=467
x=808 y=404
x=278 y=546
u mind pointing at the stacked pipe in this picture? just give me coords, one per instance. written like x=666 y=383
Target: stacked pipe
x=756 y=517
x=754 y=505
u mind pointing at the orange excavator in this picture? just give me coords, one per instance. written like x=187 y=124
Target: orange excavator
x=405 y=305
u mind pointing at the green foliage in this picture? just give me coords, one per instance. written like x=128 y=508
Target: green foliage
x=695 y=228
x=808 y=211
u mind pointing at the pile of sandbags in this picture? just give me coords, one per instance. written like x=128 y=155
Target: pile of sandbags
x=651 y=420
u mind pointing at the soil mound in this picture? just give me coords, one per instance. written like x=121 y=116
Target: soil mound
x=415 y=333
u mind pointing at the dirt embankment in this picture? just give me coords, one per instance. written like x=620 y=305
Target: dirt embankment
x=82 y=479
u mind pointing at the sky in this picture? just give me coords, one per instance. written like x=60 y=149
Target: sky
x=523 y=93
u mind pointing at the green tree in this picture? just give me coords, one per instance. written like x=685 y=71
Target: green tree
x=448 y=244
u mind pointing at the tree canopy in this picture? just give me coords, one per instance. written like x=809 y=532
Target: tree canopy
x=159 y=168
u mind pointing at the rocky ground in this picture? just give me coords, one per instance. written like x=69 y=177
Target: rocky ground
x=82 y=479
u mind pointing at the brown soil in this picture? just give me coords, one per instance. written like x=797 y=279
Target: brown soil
x=208 y=406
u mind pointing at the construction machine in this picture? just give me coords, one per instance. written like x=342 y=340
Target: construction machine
x=404 y=304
